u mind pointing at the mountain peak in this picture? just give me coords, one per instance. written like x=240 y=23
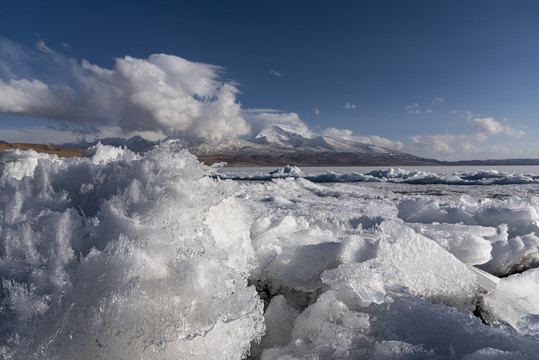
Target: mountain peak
x=281 y=135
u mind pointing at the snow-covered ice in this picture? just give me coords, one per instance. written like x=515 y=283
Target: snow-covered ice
x=116 y=255
x=467 y=177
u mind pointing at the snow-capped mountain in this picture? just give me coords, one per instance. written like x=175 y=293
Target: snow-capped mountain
x=282 y=139
x=281 y=145
x=272 y=140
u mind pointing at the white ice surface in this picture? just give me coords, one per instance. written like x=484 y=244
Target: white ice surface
x=516 y=301
x=117 y=255
x=121 y=257
x=470 y=244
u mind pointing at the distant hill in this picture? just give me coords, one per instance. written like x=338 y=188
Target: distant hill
x=279 y=146
x=61 y=151
x=136 y=143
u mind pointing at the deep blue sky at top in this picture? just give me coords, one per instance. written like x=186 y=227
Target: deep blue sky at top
x=382 y=56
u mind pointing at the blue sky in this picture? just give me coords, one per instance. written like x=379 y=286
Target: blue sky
x=442 y=79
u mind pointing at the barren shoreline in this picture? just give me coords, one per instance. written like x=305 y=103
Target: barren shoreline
x=49 y=149
x=299 y=159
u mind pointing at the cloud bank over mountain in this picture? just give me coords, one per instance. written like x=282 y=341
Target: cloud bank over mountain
x=168 y=96
x=163 y=93
x=347 y=134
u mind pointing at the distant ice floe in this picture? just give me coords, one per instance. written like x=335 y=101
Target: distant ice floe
x=479 y=177
x=117 y=255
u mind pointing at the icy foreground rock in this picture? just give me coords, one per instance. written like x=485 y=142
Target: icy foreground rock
x=118 y=256
x=115 y=256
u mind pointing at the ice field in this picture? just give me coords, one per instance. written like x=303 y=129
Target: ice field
x=121 y=256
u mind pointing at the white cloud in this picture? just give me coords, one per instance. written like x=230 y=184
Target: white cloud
x=380 y=141
x=435 y=145
x=260 y=119
x=276 y=73
x=489 y=126
x=437 y=101
x=350 y=106
x=335 y=133
x=499 y=149
x=413 y=109
x=347 y=134
x=428 y=111
x=14 y=59
x=462 y=146
x=316 y=111
x=163 y=93
x=28 y=96
x=40 y=45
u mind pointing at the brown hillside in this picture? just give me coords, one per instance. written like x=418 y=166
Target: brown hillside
x=49 y=149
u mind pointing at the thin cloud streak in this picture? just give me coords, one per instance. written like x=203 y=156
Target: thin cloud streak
x=276 y=73
x=346 y=134
x=413 y=109
x=437 y=101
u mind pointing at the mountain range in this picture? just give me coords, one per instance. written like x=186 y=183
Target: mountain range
x=282 y=139
x=284 y=145
x=280 y=145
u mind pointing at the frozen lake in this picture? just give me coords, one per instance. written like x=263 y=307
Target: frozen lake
x=158 y=257
x=492 y=182
x=366 y=169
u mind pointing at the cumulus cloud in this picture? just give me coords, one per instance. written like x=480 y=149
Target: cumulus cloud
x=437 y=101
x=316 y=111
x=260 y=119
x=347 y=134
x=30 y=97
x=350 y=106
x=462 y=146
x=447 y=144
x=489 y=126
x=413 y=109
x=163 y=93
x=276 y=73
